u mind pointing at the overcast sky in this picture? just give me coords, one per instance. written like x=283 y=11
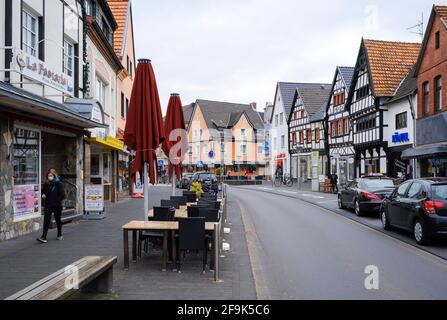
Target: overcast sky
x=237 y=50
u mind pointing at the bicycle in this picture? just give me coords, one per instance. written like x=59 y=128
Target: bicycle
x=284 y=180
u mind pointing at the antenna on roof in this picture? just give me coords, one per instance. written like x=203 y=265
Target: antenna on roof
x=419 y=28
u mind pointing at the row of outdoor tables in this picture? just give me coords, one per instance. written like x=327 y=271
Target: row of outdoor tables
x=168 y=228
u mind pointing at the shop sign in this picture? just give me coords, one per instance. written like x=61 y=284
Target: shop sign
x=37 y=70
x=281 y=156
x=401 y=137
x=94 y=198
x=200 y=164
x=26 y=201
x=161 y=163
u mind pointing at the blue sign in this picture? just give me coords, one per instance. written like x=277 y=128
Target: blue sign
x=211 y=154
x=266 y=146
x=401 y=137
x=161 y=163
x=200 y=164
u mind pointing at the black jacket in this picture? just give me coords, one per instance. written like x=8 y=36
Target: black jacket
x=54 y=194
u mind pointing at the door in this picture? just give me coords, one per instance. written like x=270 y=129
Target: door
x=348 y=193
x=395 y=210
x=414 y=197
x=343 y=172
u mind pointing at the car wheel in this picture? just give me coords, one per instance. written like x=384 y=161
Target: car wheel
x=385 y=222
x=357 y=210
x=419 y=233
x=340 y=203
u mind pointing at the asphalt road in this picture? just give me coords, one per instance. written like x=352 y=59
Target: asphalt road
x=302 y=251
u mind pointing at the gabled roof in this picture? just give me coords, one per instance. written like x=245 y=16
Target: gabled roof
x=407 y=87
x=313 y=98
x=389 y=62
x=188 y=111
x=347 y=74
x=319 y=115
x=287 y=91
x=437 y=11
x=223 y=115
x=121 y=12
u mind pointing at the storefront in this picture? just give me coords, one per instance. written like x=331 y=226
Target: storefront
x=33 y=140
x=344 y=166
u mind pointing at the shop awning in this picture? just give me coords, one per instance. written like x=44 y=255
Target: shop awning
x=109 y=142
x=26 y=105
x=425 y=152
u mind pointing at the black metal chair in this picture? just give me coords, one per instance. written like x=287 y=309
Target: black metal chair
x=182 y=200
x=210 y=214
x=191 y=197
x=170 y=203
x=164 y=214
x=191 y=236
x=214 y=204
x=193 y=211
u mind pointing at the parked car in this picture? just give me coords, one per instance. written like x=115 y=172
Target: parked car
x=419 y=206
x=208 y=180
x=185 y=182
x=366 y=194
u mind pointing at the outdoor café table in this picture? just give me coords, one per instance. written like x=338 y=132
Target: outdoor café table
x=182 y=212
x=166 y=227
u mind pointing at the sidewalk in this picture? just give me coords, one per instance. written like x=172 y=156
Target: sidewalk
x=23 y=261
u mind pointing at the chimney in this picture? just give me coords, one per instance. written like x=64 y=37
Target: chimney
x=254 y=106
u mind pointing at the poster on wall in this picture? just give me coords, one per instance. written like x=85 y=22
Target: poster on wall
x=94 y=198
x=26 y=202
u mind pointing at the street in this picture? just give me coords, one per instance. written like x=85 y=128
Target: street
x=301 y=251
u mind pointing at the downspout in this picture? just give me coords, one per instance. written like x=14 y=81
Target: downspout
x=413 y=115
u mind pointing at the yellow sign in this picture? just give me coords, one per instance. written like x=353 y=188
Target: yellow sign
x=110 y=142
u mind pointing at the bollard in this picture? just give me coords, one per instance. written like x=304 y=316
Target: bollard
x=216 y=252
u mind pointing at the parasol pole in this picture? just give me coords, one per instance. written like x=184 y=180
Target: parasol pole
x=173 y=183
x=146 y=191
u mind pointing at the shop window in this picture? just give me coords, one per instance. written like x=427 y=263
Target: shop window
x=26 y=165
x=95 y=165
x=107 y=171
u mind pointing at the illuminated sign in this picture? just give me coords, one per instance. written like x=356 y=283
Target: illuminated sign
x=401 y=137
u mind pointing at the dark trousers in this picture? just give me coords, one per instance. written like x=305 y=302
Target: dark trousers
x=335 y=187
x=47 y=220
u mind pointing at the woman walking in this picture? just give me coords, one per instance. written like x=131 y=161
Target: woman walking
x=53 y=193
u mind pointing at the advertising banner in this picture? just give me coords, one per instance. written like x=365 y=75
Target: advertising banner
x=94 y=198
x=26 y=202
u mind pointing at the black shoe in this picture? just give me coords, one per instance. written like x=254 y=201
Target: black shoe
x=42 y=240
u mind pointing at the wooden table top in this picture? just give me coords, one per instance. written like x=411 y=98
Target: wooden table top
x=182 y=212
x=159 y=226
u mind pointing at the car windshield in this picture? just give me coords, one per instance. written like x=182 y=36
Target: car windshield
x=379 y=183
x=440 y=192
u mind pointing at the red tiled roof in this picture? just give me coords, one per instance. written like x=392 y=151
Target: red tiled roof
x=119 y=9
x=442 y=11
x=390 y=62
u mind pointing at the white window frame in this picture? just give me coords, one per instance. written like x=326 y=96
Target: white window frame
x=101 y=95
x=68 y=67
x=243 y=149
x=28 y=34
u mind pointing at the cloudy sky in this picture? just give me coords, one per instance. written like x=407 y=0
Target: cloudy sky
x=236 y=50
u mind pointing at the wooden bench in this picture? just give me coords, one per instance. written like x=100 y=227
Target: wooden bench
x=93 y=275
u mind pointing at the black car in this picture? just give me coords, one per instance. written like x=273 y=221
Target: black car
x=419 y=206
x=365 y=194
x=185 y=182
x=208 y=180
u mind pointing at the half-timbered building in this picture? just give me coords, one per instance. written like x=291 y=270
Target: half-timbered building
x=339 y=135
x=380 y=68
x=307 y=135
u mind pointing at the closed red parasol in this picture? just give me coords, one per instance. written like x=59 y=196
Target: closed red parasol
x=144 y=131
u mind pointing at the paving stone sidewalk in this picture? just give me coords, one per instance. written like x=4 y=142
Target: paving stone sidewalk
x=23 y=261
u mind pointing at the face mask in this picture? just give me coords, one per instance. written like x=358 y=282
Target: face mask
x=50 y=179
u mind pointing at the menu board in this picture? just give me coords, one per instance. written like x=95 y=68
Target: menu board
x=94 y=198
x=26 y=201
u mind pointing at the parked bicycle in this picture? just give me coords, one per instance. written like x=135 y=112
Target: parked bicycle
x=285 y=180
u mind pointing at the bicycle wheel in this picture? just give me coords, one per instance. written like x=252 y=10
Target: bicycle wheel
x=289 y=182
x=277 y=183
